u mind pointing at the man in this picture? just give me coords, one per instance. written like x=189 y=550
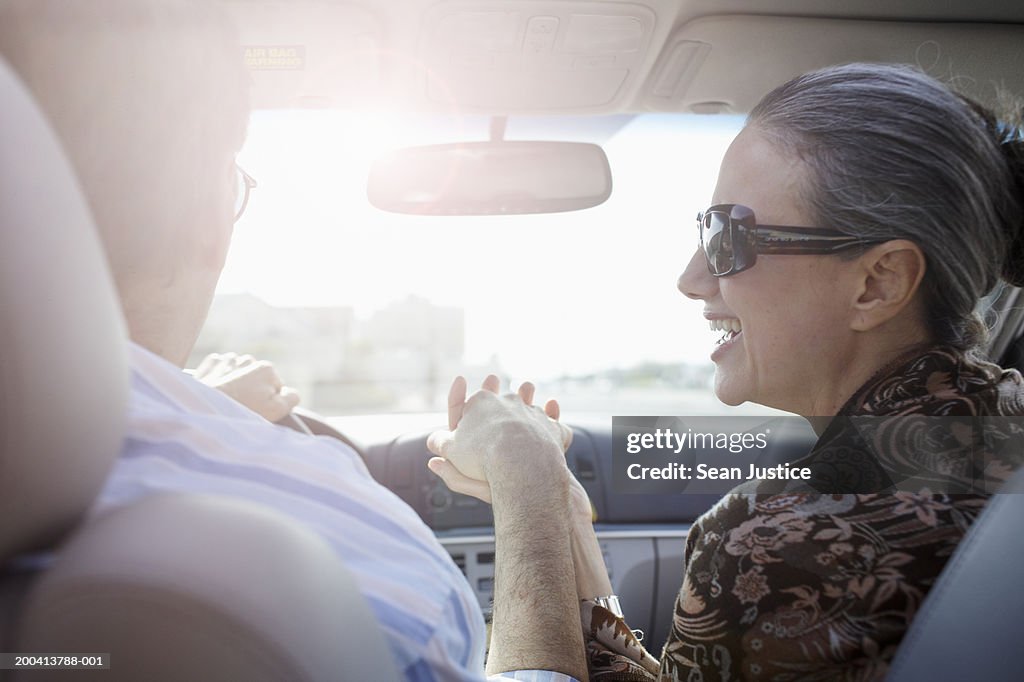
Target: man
x=149 y=100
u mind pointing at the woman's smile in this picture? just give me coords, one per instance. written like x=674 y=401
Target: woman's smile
x=732 y=330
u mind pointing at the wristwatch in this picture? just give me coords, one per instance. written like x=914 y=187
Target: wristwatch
x=609 y=602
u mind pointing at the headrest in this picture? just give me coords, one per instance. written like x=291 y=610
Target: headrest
x=199 y=587
x=63 y=355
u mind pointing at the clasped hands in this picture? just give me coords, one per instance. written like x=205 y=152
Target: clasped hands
x=505 y=444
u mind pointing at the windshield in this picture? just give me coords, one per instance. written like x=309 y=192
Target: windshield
x=364 y=311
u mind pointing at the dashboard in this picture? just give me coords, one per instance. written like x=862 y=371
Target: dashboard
x=642 y=536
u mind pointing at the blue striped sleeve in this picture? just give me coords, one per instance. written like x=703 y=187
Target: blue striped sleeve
x=532 y=676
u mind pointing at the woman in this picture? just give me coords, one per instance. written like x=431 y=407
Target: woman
x=858 y=219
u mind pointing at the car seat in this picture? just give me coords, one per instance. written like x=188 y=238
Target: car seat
x=969 y=626
x=176 y=587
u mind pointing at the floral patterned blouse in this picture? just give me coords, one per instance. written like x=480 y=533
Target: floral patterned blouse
x=797 y=584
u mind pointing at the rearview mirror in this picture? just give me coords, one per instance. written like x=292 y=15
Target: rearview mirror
x=488 y=178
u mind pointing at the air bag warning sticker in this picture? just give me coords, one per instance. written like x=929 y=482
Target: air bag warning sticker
x=275 y=57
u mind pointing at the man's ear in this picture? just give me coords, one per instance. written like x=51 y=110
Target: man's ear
x=889 y=276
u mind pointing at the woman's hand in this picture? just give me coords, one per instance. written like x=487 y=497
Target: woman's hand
x=254 y=383
x=461 y=466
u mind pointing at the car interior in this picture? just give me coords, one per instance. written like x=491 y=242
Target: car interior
x=517 y=66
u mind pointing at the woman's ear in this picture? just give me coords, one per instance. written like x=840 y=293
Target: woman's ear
x=889 y=276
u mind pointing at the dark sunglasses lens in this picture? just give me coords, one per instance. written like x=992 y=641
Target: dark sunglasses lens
x=717 y=238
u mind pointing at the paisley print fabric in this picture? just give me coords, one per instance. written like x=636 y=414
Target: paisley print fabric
x=793 y=583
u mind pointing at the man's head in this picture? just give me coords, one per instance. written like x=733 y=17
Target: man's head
x=149 y=99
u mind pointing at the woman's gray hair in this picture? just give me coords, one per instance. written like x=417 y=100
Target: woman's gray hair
x=892 y=153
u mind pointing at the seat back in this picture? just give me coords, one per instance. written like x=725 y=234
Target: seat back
x=63 y=360
x=970 y=626
x=175 y=587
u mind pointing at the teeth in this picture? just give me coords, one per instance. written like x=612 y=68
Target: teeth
x=730 y=325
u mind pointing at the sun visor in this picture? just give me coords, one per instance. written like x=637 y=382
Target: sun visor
x=309 y=54
x=723 y=64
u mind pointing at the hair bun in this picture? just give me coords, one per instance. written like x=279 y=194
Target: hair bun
x=1012 y=146
x=1008 y=133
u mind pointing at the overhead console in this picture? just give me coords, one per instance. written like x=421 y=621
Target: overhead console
x=535 y=56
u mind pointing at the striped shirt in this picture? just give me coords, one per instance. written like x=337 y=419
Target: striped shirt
x=183 y=436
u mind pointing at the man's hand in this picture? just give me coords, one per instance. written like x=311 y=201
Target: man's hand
x=254 y=383
x=492 y=436
x=460 y=458
x=505 y=450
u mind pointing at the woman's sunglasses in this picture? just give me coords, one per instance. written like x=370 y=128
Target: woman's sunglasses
x=731 y=239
